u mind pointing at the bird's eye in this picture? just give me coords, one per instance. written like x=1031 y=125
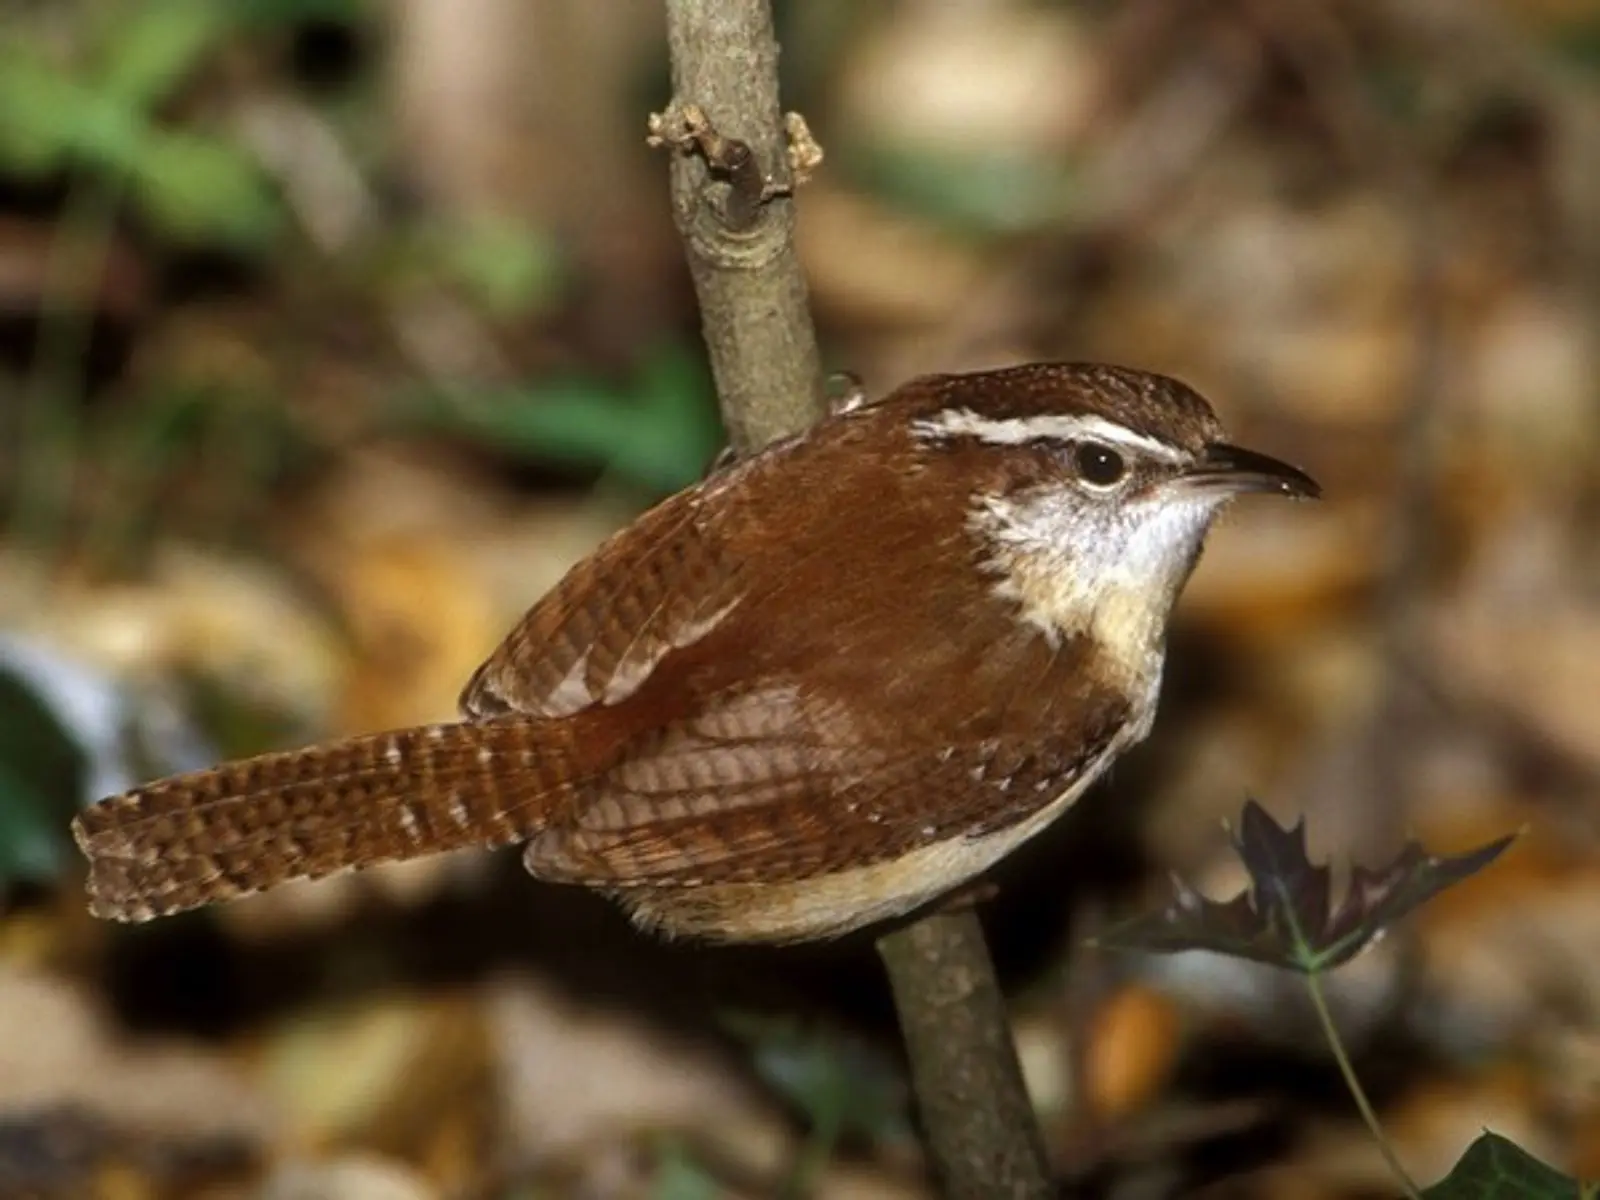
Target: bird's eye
x=1098 y=464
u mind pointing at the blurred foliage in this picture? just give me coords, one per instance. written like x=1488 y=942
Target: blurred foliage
x=105 y=113
x=846 y=1091
x=109 y=118
x=679 y=1177
x=43 y=777
x=237 y=725
x=975 y=193
x=1578 y=40
x=224 y=446
x=505 y=267
x=657 y=432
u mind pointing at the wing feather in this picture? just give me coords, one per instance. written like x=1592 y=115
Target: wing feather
x=848 y=751
x=661 y=585
x=782 y=799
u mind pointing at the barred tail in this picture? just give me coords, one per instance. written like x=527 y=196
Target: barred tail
x=246 y=826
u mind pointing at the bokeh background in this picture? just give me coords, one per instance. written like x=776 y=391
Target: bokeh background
x=332 y=332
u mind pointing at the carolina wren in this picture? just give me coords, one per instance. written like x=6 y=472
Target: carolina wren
x=820 y=688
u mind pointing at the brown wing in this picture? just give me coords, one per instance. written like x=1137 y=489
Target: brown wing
x=659 y=585
x=771 y=715
x=676 y=796
x=764 y=787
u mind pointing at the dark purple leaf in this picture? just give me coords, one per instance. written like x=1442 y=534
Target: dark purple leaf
x=1287 y=916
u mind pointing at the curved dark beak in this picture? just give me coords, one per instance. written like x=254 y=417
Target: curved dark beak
x=1233 y=469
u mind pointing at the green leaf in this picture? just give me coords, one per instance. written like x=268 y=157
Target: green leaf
x=841 y=1086
x=31 y=845
x=42 y=778
x=658 y=433
x=1287 y=916
x=236 y=723
x=199 y=189
x=979 y=192
x=1578 y=42
x=1494 y=1168
x=679 y=1177
x=269 y=13
x=47 y=118
x=158 y=45
x=154 y=47
x=509 y=268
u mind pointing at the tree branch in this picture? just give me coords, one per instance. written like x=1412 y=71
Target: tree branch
x=978 y=1119
x=732 y=199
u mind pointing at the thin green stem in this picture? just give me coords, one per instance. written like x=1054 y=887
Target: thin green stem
x=1319 y=1001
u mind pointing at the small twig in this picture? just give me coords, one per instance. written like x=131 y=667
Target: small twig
x=686 y=128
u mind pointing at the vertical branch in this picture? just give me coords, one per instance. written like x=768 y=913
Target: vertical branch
x=979 y=1121
x=732 y=199
x=734 y=209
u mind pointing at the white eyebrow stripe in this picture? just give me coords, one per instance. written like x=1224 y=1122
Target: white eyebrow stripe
x=1015 y=431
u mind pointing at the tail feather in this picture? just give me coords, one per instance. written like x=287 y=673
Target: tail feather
x=242 y=827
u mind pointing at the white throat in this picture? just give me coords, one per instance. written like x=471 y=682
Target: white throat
x=1115 y=579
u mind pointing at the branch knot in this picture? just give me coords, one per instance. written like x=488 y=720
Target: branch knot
x=684 y=127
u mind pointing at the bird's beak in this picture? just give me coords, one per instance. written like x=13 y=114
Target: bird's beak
x=1233 y=469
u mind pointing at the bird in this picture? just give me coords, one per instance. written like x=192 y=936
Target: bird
x=820 y=689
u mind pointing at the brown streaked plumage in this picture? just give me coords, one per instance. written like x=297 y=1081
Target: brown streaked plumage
x=816 y=690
